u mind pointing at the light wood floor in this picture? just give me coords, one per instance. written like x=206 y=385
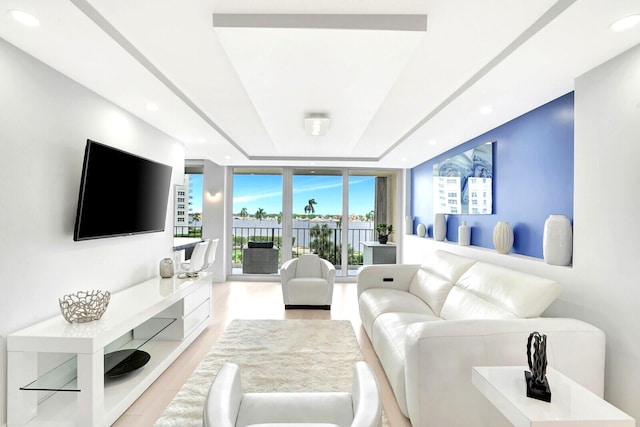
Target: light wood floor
x=253 y=300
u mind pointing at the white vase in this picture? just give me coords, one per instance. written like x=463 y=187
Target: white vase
x=557 y=240
x=439 y=227
x=421 y=230
x=408 y=225
x=503 y=237
x=464 y=234
x=166 y=268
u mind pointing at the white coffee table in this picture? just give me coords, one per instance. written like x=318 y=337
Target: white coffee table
x=571 y=404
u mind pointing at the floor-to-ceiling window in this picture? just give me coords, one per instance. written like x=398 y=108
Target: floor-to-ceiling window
x=360 y=227
x=257 y=219
x=317 y=213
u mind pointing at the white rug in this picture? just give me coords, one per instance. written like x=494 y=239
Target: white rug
x=273 y=355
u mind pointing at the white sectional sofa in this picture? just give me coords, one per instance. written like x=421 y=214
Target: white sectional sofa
x=430 y=324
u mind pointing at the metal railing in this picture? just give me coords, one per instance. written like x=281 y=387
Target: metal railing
x=326 y=242
x=187 y=231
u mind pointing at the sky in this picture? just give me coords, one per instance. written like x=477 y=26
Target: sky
x=265 y=191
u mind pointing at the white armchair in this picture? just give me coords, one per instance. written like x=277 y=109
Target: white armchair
x=307 y=282
x=227 y=406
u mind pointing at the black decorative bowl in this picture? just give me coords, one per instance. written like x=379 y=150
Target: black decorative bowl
x=123 y=362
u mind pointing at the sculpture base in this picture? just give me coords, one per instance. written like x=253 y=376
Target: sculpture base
x=535 y=390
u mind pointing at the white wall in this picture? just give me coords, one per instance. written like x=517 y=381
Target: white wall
x=45 y=119
x=213 y=210
x=601 y=287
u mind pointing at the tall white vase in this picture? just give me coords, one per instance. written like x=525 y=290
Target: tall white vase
x=503 y=237
x=439 y=227
x=464 y=234
x=408 y=225
x=557 y=240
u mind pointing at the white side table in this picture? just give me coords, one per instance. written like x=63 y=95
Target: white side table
x=571 y=404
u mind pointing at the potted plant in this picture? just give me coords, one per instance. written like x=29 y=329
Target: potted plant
x=383 y=232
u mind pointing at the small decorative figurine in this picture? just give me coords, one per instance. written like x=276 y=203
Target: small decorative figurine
x=536 y=378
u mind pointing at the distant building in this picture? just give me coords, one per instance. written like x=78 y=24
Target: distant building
x=182 y=206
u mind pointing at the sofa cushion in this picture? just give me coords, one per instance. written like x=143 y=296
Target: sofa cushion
x=448 y=265
x=435 y=278
x=388 y=340
x=376 y=301
x=430 y=288
x=487 y=291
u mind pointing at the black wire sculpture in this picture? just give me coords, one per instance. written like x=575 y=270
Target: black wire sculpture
x=536 y=377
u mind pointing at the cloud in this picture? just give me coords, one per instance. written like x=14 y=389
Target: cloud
x=254 y=197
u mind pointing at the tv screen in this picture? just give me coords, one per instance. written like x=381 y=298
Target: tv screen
x=120 y=194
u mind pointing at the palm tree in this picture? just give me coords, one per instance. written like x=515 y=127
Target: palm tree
x=196 y=217
x=309 y=208
x=370 y=216
x=260 y=214
x=244 y=213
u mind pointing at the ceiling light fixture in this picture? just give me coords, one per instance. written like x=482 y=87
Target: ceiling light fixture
x=487 y=109
x=24 y=18
x=152 y=106
x=316 y=124
x=625 y=23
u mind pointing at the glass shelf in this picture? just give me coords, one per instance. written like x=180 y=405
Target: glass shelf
x=64 y=376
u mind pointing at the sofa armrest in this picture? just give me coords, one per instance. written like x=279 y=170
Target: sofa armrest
x=223 y=400
x=391 y=276
x=439 y=357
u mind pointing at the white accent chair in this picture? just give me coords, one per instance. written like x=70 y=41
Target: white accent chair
x=227 y=406
x=307 y=282
x=196 y=263
x=210 y=255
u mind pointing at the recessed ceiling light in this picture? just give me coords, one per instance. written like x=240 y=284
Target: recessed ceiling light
x=201 y=139
x=227 y=157
x=486 y=109
x=404 y=159
x=625 y=23
x=152 y=106
x=433 y=142
x=24 y=18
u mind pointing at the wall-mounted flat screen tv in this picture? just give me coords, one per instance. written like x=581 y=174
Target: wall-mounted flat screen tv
x=120 y=194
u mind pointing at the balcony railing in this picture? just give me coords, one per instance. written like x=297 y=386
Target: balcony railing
x=187 y=231
x=326 y=242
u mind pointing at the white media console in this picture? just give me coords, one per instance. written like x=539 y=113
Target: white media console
x=55 y=369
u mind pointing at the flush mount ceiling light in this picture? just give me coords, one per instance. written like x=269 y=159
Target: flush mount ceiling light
x=486 y=109
x=316 y=124
x=24 y=18
x=152 y=106
x=625 y=23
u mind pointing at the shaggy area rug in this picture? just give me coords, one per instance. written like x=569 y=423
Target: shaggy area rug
x=273 y=355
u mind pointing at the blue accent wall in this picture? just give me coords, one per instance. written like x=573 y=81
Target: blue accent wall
x=532 y=172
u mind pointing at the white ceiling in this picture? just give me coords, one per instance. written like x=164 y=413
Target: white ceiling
x=239 y=96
